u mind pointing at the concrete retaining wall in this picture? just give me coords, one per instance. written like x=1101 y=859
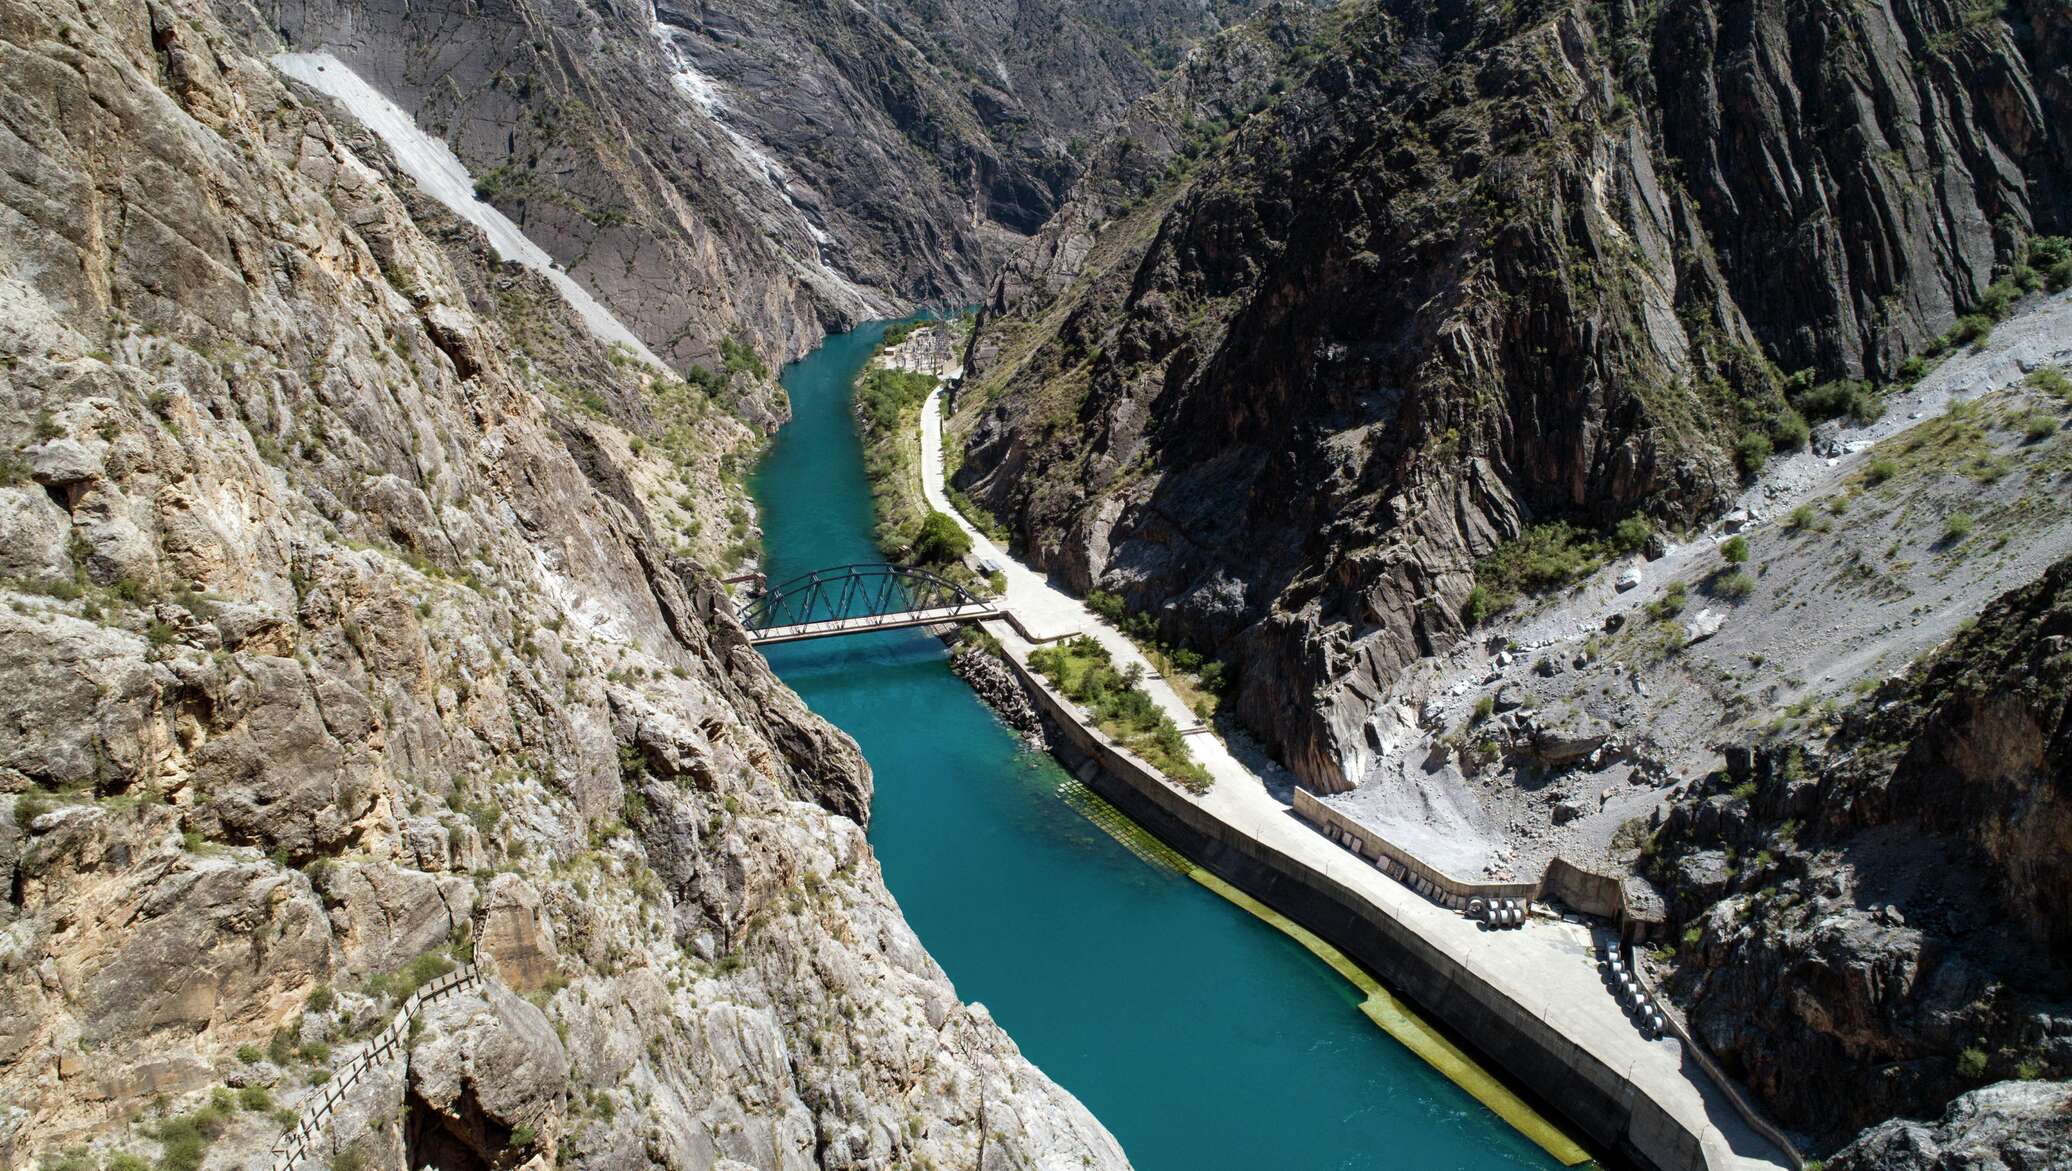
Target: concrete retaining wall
x=1602 y=895
x=1563 y=1080
x=1364 y=842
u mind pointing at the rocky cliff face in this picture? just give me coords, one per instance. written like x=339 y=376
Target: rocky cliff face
x=1875 y=914
x=1477 y=267
x=768 y=169
x=339 y=646
x=2012 y=1125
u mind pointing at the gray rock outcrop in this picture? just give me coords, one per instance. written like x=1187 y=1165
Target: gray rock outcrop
x=339 y=645
x=2013 y=1126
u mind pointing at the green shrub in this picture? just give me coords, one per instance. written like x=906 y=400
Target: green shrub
x=1840 y=397
x=1998 y=299
x=1958 y=526
x=1789 y=430
x=73 y=1159
x=321 y=998
x=1632 y=534
x=1109 y=607
x=1542 y=558
x=1802 y=518
x=2040 y=426
x=1972 y=329
x=2050 y=380
x=1880 y=470
x=1734 y=550
x=1734 y=586
x=250 y=1054
x=940 y=541
x=1971 y=1064
x=1477 y=608
x=1672 y=601
x=740 y=357
x=125 y=1161
x=30 y=806
x=256 y=1099
x=1085 y=672
x=184 y=1141
x=1751 y=451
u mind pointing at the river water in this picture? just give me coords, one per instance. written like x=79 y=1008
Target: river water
x=1201 y=1037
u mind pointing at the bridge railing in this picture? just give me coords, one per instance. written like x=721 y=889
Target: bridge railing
x=859 y=591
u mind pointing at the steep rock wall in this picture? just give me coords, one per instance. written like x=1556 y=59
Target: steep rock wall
x=1875 y=915
x=336 y=640
x=1477 y=267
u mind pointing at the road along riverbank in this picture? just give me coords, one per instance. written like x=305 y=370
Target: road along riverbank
x=1533 y=1001
x=1200 y=1036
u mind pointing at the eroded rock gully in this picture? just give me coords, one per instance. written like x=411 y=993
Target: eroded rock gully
x=324 y=652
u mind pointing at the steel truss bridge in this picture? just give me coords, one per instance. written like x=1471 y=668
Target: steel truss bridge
x=852 y=599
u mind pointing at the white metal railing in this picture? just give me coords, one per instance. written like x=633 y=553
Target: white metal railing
x=301 y=1140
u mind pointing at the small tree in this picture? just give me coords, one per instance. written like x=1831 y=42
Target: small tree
x=940 y=541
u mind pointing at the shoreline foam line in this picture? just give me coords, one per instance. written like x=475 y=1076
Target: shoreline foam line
x=1398 y=1021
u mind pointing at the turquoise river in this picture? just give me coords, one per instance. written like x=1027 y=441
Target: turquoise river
x=1204 y=1039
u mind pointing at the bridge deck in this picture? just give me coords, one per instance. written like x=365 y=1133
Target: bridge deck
x=828 y=628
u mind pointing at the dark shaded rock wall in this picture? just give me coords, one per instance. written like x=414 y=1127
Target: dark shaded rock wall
x=1478 y=266
x=1875 y=920
x=825 y=162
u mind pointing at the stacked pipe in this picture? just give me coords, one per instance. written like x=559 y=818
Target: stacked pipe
x=1497 y=912
x=1632 y=997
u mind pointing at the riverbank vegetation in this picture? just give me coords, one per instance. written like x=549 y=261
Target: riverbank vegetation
x=1200 y=681
x=1086 y=673
x=888 y=416
x=888 y=413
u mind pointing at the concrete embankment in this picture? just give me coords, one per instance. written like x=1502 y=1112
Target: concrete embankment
x=1604 y=1105
x=1530 y=1003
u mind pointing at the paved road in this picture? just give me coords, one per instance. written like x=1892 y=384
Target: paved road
x=1546 y=969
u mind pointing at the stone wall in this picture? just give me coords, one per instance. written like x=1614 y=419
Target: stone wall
x=1365 y=843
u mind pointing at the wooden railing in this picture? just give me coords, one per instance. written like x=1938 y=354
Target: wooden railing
x=301 y=1140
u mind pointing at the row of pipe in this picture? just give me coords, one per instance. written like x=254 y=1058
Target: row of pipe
x=1499 y=913
x=1632 y=997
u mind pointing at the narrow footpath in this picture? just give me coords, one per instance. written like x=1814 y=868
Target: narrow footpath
x=1546 y=971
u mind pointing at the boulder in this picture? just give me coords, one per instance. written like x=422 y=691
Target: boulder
x=2014 y=1125
x=488 y=1063
x=1707 y=623
x=515 y=941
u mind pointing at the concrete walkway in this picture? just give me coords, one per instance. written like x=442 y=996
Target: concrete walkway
x=1547 y=969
